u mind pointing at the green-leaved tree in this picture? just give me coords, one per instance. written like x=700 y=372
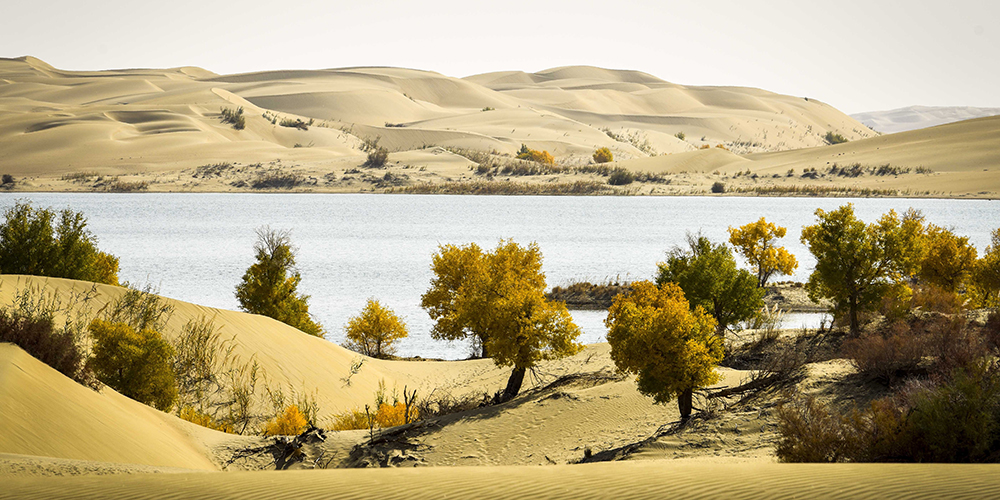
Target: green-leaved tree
x=134 y=362
x=710 y=279
x=269 y=286
x=41 y=242
x=856 y=264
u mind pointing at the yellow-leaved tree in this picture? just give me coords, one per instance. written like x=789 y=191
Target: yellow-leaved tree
x=654 y=334
x=375 y=331
x=756 y=243
x=497 y=300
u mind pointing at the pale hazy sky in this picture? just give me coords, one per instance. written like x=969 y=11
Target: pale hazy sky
x=855 y=55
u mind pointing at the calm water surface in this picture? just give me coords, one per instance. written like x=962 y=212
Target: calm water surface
x=195 y=247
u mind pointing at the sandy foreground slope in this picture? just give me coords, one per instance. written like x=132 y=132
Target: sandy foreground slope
x=623 y=480
x=117 y=448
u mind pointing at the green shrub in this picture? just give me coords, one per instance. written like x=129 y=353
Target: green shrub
x=269 y=286
x=620 y=177
x=718 y=187
x=32 y=241
x=134 y=362
x=832 y=138
x=680 y=135
x=8 y=180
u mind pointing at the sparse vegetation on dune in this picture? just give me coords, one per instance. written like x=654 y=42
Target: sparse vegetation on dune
x=234 y=117
x=507 y=188
x=813 y=190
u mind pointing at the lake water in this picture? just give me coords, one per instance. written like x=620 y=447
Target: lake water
x=195 y=247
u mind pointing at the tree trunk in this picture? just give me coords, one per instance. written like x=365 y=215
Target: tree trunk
x=854 y=315
x=685 y=404
x=513 y=384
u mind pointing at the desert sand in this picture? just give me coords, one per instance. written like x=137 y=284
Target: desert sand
x=572 y=410
x=159 y=130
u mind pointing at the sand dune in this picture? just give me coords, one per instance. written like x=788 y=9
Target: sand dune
x=49 y=415
x=606 y=480
x=918 y=117
x=135 y=122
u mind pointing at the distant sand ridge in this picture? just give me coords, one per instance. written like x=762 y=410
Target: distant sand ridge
x=160 y=130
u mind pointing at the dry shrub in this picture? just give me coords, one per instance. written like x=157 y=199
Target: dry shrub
x=38 y=336
x=934 y=298
x=887 y=356
x=290 y=423
x=991 y=331
x=446 y=404
x=810 y=432
x=387 y=415
x=953 y=342
x=205 y=420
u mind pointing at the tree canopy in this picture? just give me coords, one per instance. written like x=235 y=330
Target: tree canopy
x=856 y=264
x=497 y=300
x=756 y=243
x=709 y=277
x=375 y=331
x=655 y=334
x=135 y=362
x=269 y=286
x=41 y=242
x=948 y=260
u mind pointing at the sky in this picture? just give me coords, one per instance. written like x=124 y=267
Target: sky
x=855 y=55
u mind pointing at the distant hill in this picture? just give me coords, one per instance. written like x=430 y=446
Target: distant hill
x=917 y=117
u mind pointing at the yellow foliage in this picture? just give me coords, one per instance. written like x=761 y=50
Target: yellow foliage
x=949 y=259
x=205 y=420
x=984 y=285
x=106 y=268
x=350 y=420
x=387 y=415
x=654 y=334
x=603 y=155
x=705 y=146
x=755 y=242
x=375 y=331
x=498 y=299
x=536 y=156
x=290 y=423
